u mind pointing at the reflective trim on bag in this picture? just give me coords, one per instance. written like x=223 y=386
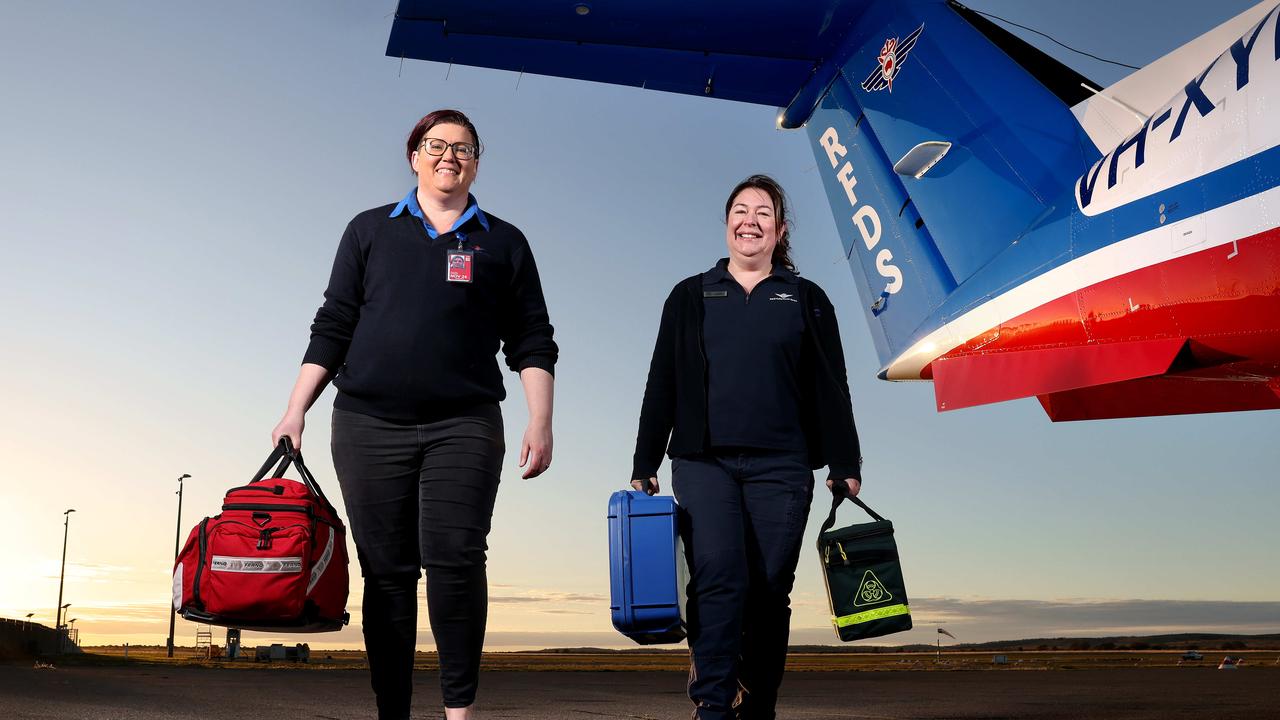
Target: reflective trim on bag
x=869 y=615
x=318 y=570
x=225 y=563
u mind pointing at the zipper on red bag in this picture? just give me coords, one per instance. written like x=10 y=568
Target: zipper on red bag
x=267 y=534
x=204 y=547
x=305 y=509
x=274 y=489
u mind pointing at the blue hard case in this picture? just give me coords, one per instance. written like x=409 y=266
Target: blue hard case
x=647 y=568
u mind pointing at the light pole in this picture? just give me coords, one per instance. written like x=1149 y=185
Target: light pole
x=62 y=575
x=177 y=535
x=60 y=630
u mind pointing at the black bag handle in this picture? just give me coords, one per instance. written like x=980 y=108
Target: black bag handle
x=841 y=491
x=286 y=455
x=277 y=455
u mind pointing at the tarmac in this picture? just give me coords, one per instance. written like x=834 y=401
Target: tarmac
x=155 y=692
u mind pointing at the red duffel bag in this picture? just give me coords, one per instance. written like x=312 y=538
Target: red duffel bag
x=274 y=559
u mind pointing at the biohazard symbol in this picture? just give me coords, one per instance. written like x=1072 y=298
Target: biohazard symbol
x=871 y=591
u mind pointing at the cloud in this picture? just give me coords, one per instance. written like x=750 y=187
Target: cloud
x=511 y=640
x=121 y=612
x=970 y=620
x=1116 y=616
x=86 y=572
x=544 y=596
x=983 y=620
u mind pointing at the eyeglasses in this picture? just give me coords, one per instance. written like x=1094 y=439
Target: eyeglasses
x=461 y=150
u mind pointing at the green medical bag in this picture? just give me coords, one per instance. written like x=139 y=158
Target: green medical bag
x=867 y=595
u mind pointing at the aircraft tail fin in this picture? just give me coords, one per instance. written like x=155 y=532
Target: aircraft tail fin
x=941 y=142
x=941 y=137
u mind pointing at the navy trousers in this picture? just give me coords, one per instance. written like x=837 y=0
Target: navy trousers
x=743 y=519
x=421 y=496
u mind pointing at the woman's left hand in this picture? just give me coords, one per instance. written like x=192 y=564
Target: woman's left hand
x=535 y=449
x=853 y=484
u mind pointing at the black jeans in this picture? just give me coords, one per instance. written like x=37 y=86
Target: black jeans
x=743 y=519
x=421 y=496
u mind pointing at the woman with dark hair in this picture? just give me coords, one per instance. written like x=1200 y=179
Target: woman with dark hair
x=423 y=292
x=747 y=394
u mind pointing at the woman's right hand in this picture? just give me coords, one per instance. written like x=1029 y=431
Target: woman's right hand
x=291 y=424
x=650 y=488
x=310 y=383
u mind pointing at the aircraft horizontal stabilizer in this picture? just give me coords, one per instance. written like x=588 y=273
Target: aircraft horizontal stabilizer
x=708 y=49
x=1163 y=395
x=1121 y=109
x=979 y=379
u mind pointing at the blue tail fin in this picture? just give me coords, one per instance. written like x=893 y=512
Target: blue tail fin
x=941 y=138
x=937 y=150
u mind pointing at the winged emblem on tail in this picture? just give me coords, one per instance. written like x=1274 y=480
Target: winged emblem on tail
x=892 y=55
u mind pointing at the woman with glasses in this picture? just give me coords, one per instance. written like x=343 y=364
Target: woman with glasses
x=422 y=295
x=747 y=394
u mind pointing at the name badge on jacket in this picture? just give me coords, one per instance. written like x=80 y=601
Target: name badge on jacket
x=460 y=265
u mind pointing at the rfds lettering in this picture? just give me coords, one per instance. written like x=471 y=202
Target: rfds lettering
x=865 y=218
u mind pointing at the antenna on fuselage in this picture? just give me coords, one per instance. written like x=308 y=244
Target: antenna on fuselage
x=1124 y=106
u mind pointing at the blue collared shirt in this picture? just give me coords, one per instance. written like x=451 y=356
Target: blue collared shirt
x=410 y=203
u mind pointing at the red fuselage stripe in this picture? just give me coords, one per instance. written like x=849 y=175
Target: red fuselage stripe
x=1227 y=305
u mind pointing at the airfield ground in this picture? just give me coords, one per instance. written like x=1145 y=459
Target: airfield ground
x=678 y=661
x=546 y=686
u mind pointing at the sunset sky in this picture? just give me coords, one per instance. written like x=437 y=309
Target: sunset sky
x=176 y=178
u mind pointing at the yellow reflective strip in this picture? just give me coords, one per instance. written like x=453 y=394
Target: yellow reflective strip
x=868 y=615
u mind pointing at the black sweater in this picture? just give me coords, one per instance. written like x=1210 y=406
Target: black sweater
x=407 y=345
x=675 y=397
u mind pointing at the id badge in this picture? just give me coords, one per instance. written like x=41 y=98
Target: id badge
x=460 y=266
